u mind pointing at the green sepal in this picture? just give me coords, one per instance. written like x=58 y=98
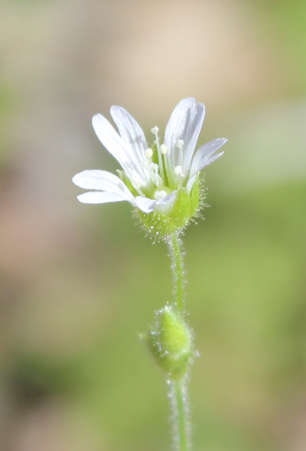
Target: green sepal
x=170 y=342
x=162 y=223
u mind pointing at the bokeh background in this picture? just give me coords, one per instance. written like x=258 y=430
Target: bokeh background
x=79 y=283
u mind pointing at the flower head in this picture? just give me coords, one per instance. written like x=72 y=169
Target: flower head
x=160 y=180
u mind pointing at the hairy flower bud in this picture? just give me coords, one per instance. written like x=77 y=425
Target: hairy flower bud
x=170 y=341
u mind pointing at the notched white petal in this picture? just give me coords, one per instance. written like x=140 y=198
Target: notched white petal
x=92 y=179
x=207 y=155
x=99 y=197
x=211 y=146
x=129 y=128
x=110 y=139
x=185 y=124
x=95 y=179
x=176 y=123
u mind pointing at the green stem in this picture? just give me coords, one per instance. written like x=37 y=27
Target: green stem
x=179 y=401
x=181 y=416
x=178 y=270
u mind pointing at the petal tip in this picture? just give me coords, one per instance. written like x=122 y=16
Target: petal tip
x=81 y=199
x=96 y=117
x=75 y=178
x=115 y=108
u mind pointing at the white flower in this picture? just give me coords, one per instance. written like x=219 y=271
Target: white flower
x=150 y=176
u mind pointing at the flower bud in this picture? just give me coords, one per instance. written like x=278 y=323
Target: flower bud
x=170 y=341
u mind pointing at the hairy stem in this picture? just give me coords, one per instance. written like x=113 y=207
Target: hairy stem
x=177 y=266
x=182 y=425
x=179 y=403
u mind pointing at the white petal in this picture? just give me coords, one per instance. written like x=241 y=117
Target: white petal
x=99 y=197
x=129 y=129
x=101 y=180
x=185 y=123
x=122 y=150
x=111 y=140
x=205 y=155
x=190 y=183
x=166 y=202
x=145 y=204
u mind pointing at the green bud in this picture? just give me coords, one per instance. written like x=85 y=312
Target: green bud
x=170 y=341
x=162 y=223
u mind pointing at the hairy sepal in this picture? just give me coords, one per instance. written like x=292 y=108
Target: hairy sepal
x=163 y=222
x=170 y=342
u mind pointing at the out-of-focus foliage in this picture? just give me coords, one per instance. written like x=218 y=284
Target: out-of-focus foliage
x=6 y=110
x=288 y=22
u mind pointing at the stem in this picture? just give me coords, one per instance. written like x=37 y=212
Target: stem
x=177 y=266
x=182 y=426
x=179 y=403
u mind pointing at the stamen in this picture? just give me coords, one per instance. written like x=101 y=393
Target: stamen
x=149 y=153
x=154 y=131
x=178 y=171
x=137 y=182
x=164 y=149
x=155 y=175
x=180 y=144
x=160 y=194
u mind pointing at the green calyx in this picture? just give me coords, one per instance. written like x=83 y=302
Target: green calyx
x=162 y=223
x=170 y=341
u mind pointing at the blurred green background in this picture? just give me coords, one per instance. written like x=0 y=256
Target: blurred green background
x=80 y=283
